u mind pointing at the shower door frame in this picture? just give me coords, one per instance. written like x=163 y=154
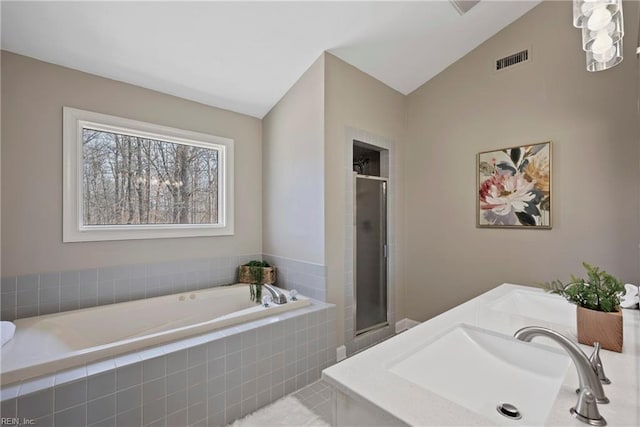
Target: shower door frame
x=385 y=255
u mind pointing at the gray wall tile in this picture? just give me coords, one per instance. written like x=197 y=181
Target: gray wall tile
x=216 y=403
x=71 y=394
x=8 y=284
x=197 y=375
x=197 y=393
x=154 y=390
x=128 y=399
x=36 y=405
x=129 y=418
x=177 y=361
x=27 y=297
x=128 y=376
x=197 y=355
x=197 y=412
x=27 y=311
x=28 y=283
x=73 y=417
x=46 y=421
x=216 y=387
x=8 y=300
x=177 y=418
x=9 y=408
x=176 y=382
x=176 y=401
x=154 y=368
x=101 y=409
x=109 y=422
x=153 y=411
x=101 y=385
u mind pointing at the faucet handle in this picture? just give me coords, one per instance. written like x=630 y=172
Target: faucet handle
x=586 y=410
x=266 y=299
x=293 y=294
x=596 y=363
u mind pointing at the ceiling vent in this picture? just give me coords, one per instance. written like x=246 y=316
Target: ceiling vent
x=511 y=60
x=463 y=6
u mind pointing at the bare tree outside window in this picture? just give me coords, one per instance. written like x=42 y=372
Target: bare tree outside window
x=129 y=180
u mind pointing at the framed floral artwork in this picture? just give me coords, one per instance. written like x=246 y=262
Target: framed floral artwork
x=514 y=187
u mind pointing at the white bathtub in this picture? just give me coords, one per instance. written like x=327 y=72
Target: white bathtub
x=46 y=344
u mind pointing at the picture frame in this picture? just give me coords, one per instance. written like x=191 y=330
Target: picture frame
x=514 y=187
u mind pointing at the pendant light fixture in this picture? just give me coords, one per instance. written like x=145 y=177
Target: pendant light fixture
x=602 y=31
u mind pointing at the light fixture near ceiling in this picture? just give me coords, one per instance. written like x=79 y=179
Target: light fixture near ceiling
x=463 y=6
x=602 y=27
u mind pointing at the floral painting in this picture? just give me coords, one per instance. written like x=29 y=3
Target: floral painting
x=514 y=187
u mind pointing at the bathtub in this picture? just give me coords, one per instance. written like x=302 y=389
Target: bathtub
x=45 y=344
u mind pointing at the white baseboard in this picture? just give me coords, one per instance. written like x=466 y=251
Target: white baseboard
x=404 y=324
x=341 y=353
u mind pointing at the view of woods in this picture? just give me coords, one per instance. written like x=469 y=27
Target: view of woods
x=132 y=180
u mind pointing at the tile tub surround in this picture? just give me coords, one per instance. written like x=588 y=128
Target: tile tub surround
x=211 y=379
x=307 y=278
x=38 y=294
x=366 y=376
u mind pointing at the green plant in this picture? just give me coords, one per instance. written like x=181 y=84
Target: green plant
x=601 y=291
x=257 y=275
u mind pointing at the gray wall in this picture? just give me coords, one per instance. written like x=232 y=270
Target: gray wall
x=293 y=169
x=592 y=120
x=33 y=94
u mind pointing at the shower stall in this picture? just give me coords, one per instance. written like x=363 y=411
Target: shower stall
x=370 y=251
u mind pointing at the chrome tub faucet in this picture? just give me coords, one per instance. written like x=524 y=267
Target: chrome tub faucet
x=277 y=296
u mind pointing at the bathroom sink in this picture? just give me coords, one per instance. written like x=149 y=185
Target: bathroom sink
x=481 y=369
x=548 y=308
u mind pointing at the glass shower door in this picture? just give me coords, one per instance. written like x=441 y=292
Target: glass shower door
x=371 y=253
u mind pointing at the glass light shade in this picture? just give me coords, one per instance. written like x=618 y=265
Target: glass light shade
x=615 y=29
x=583 y=9
x=606 y=60
x=602 y=43
x=599 y=19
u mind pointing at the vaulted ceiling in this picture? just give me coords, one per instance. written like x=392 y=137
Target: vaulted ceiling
x=244 y=56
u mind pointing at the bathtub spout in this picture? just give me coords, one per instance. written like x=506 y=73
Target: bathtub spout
x=278 y=297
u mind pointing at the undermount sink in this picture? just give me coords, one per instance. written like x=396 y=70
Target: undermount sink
x=481 y=369
x=535 y=305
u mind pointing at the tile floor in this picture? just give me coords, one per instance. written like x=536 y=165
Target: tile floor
x=317 y=398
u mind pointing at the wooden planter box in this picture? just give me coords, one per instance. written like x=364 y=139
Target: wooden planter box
x=598 y=326
x=268 y=275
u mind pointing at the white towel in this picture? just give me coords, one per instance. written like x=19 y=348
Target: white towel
x=631 y=297
x=7 y=329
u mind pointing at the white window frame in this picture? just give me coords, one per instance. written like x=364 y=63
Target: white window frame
x=74 y=120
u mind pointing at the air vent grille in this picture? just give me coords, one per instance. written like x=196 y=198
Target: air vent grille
x=511 y=60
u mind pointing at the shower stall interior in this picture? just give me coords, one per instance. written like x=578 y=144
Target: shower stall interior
x=370 y=251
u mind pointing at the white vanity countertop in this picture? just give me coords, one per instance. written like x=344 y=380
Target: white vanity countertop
x=366 y=375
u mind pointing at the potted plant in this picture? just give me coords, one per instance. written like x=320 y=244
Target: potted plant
x=599 y=318
x=257 y=273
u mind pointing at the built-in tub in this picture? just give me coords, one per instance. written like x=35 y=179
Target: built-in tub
x=46 y=344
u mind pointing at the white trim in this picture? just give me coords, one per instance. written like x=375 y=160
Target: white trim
x=74 y=120
x=405 y=324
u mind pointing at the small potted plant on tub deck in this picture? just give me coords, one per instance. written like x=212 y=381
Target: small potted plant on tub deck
x=257 y=273
x=599 y=318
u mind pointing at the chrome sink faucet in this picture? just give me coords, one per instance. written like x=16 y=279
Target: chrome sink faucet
x=278 y=297
x=591 y=391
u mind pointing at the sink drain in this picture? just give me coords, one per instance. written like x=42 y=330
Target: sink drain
x=509 y=411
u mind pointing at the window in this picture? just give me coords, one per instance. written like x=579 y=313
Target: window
x=125 y=179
